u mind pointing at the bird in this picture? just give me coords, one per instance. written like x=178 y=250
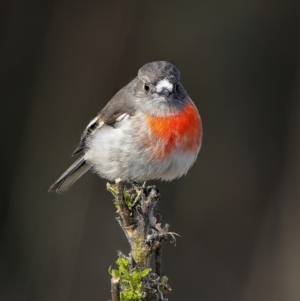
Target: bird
x=151 y=129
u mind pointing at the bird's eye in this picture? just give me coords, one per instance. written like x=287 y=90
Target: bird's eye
x=176 y=88
x=146 y=87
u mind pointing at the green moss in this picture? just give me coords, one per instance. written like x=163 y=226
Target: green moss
x=131 y=283
x=140 y=251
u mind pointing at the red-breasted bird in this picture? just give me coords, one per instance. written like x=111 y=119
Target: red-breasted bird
x=150 y=129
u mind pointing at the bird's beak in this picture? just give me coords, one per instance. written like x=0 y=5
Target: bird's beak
x=165 y=91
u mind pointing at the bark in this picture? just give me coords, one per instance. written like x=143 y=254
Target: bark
x=136 y=208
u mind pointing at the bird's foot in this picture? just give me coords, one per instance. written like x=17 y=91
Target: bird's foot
x=136 y=185
x=136 y=191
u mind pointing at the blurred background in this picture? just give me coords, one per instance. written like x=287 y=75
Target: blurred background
x=237 y=210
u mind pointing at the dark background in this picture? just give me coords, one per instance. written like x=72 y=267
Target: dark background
x=237 y=210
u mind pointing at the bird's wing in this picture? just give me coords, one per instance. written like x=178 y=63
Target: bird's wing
x=115 y=111
x=94 y=124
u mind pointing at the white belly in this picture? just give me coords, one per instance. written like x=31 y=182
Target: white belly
x=120 y=153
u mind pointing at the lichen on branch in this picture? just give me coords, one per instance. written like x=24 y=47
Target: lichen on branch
x=134 y=279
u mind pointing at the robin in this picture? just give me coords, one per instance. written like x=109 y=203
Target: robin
x=150 y=129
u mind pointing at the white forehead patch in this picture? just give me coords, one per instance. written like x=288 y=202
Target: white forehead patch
x=164 y=83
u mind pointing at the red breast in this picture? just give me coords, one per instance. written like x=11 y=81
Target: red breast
x=181 y=132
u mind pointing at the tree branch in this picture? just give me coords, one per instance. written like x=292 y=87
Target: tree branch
x=135 y=279
x=115 y=288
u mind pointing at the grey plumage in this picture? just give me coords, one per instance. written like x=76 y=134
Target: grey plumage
x=71 y=175
x=117 y=143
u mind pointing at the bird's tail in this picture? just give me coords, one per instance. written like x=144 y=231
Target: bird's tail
x=70 y=176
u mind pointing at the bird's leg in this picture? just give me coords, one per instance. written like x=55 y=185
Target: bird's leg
x=135 y=184
x=138 y=189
